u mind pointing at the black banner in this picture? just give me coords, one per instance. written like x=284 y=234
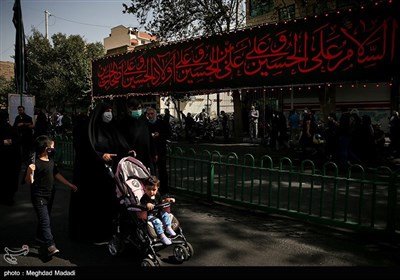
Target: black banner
x=353 y=45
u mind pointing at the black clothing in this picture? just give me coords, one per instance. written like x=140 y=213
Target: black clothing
x=344 y=125
x=225 y=128
x=95 y=205
x=147 y=199
x=189 y=123
x=25 y=134
x=42 y=197
x=40 y=125
x=161 y=148
x=105 y=137
x=167 y=121
x=82 y=211
x=43 y=183
x=394 y=135
x=10 y=164
x=161 y=141
x=138 y=136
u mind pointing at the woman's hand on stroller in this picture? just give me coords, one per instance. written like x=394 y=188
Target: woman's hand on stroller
x=108 y=157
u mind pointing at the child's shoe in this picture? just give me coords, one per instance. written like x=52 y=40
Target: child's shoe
x=165 y=240
x=52 y=250
x=170 y=231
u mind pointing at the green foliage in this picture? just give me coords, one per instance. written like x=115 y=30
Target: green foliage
x=181 y=19
x=59 y=73
x=6 y=87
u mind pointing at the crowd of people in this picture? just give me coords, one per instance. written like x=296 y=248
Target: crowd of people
x=348 y=139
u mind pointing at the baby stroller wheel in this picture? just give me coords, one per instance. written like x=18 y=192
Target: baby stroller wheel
x=181 y=253
x=115 y=245
x=147 y=262
x=190 y=249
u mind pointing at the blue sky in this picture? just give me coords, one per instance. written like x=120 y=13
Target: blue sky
x=92 y=19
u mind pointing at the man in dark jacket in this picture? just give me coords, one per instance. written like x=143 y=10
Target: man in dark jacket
x=136 y=131
x=160 y=133
x=23 y=123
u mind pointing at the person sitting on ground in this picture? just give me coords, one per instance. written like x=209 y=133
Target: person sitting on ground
x=158 y=218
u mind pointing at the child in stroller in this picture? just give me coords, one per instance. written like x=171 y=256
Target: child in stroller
x=134 y=227
x=158 y=217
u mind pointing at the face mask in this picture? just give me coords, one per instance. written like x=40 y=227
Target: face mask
x=152 y=120
x=136 y=113
x=107 y=117
x=51 y=152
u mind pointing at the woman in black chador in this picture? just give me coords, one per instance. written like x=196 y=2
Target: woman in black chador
x=10 y=163
x=110 y=146
x=97 y=204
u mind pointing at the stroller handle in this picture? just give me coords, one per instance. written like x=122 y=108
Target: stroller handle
x=156 y=207
x=162 y=205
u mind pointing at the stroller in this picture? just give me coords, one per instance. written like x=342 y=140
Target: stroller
x=132 y=226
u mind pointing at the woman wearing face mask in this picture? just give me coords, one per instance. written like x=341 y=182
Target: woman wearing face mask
x=97 y=200
x=106 y=139
x=136 y=132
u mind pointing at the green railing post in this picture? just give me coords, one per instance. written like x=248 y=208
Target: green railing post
x=392 y=201
x=235 y=164
x=218 y=155
x=210 y=181
x=252 y=165
x=303 y=172
x=267 y=168
x=335 y=185
x=361 y=193
x=289 y=178
x=191 y=154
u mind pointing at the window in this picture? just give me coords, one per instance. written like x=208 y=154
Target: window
x=286 y=13
x=260 y=7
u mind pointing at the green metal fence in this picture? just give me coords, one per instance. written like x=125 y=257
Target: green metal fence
x=358 y=200
x=65 y=155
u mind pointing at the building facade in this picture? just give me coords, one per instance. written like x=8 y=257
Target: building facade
x=123 y=39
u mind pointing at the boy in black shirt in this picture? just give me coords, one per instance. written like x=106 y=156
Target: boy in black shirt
x=40 y=175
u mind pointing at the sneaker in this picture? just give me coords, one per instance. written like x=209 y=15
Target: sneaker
x=165 y=240
x=170 y=231
x=52 y=250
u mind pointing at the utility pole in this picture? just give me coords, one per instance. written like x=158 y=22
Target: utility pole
x=46 y=24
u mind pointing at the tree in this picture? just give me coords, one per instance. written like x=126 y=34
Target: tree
x=60 y=74
x=6 y=87
x=181 y=19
